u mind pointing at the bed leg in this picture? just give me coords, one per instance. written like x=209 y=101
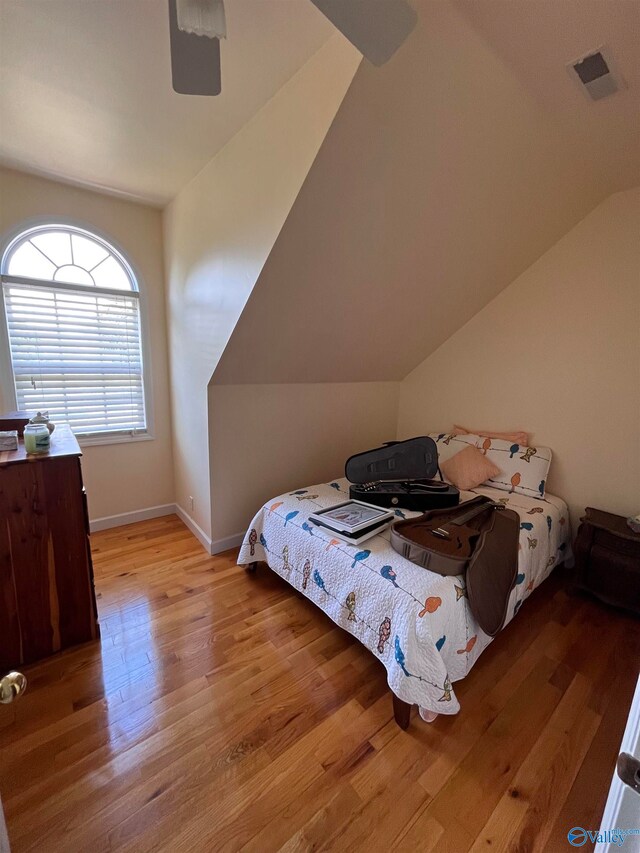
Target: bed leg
x=251 y=567
x=401 y=712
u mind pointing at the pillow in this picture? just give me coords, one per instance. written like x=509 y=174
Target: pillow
x=517 y=437
x=468 y=468
x=523 y=469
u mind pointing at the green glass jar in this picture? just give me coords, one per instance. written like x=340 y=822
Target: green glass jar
x=37 y=438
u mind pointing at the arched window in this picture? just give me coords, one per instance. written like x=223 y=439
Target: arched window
x=72 y=315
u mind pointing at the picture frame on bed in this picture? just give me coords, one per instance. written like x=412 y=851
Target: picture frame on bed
x=353 y=521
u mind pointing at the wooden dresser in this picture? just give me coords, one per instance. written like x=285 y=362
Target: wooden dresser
x=47 y=599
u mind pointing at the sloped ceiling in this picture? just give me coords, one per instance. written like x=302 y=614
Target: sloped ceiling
x=445 y=174
x=537 y=39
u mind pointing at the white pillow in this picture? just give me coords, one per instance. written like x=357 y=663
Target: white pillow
x=523 y=469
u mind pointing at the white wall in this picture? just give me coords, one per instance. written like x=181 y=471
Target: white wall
x=556 y=353
x=133 y=476
x=218 y=233
x=441 y=179
x=268 y=439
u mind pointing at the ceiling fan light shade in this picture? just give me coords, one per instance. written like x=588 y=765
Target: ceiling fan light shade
x=202 y=18
x=195 y=62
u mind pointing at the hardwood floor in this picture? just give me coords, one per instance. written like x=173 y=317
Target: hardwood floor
x=222 y=711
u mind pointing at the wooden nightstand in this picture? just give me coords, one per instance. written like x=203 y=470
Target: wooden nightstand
x=607 y=554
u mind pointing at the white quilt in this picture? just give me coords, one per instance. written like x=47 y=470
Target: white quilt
x=417 y=622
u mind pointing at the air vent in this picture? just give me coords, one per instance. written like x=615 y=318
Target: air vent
x=596 y=75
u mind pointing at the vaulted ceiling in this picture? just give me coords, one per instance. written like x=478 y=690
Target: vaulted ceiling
x=85 y=88
x=444 y=175
x=537 y=39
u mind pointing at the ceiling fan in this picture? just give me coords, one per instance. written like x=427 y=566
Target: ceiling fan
x=376 y=27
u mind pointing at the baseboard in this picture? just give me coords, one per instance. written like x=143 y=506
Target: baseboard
x=109 y=521
x=210 y=547
x=195 y=528
x=225 y=544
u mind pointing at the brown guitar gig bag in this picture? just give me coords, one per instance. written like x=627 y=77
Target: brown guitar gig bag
x=490 y=572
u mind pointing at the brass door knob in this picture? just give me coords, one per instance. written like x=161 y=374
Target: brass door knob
x=12 y=686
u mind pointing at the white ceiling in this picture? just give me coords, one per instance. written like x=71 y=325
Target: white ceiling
x=536 y=39
x=85 y=88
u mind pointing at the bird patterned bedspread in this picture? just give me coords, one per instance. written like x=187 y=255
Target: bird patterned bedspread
x=416 y=622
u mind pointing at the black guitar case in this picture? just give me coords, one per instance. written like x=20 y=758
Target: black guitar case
x=400 y=474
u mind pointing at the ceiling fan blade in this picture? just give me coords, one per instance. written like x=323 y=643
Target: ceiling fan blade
x=195 y=60
x=376 y=27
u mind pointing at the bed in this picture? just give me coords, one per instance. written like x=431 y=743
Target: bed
x=416 y=622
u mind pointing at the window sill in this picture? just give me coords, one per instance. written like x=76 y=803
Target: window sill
x=105 y=438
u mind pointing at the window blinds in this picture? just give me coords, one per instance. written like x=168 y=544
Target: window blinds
x=76 y=354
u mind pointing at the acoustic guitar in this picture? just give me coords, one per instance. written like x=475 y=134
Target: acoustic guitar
x=447 y=532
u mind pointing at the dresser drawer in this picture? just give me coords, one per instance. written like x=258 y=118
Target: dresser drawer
x=608 y=540
x=614 y=577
